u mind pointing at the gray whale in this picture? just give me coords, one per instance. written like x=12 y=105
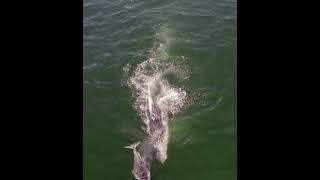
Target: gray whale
x=141 y=166
x=158 y=131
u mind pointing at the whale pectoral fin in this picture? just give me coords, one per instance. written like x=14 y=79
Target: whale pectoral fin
x=133 y=146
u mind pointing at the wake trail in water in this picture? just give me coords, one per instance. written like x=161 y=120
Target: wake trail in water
x=157 y=102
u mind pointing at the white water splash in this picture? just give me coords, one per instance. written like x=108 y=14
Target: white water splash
x=157 y=101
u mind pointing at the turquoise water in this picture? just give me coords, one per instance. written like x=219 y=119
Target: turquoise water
x=202 y=36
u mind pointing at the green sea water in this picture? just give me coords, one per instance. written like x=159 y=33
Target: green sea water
x=203 y=138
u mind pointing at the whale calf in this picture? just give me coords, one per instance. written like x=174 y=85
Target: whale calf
x=141 y=167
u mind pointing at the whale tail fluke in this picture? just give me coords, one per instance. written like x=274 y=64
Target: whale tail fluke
x=133 y=146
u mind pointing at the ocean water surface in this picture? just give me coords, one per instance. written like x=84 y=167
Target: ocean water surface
x=195 y=43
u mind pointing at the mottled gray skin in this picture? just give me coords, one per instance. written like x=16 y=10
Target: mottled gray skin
x=157 y=133
x=141 y=167
x=155 y=122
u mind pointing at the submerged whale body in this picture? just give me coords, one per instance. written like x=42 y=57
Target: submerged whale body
x=158 y=129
